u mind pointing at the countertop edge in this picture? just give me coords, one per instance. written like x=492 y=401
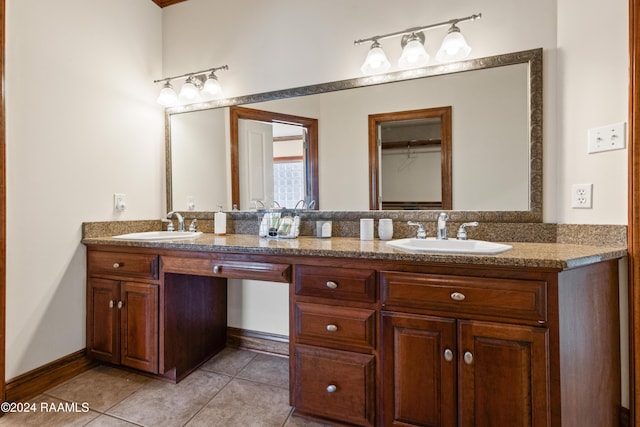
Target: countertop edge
x=539 y=255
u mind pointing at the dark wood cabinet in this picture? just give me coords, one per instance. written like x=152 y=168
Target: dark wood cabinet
x=122 y=323
x=508 y=348
x=333 y=350
x=381 y=342
x=122 y=309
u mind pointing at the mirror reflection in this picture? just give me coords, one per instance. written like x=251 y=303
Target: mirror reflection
x=495 y=137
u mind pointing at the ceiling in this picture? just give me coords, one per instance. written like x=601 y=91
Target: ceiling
x=165 y=3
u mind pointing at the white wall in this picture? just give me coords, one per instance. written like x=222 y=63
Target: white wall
x=593 y=62
x=82 y=124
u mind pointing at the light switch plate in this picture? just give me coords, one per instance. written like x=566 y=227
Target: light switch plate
x=607 y=138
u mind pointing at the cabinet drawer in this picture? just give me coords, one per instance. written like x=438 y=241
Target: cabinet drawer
x=144 y=266
x=488 y=297
x=340 y=283
x=266 y=271
x=334 y=384
x=332 y=325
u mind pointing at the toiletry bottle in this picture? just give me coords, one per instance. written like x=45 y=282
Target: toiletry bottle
x=220 y=222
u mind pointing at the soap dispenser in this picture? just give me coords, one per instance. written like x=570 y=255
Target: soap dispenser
x=220 y=222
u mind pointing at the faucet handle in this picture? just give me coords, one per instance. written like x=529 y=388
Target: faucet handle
x=170 y=224
x=194 y=225
x=462 y=231
x=421 y=233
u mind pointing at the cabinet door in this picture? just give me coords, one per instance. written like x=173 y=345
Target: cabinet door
x=139 y=326
x=102 y=320
x=502 y=374
x=418 y=370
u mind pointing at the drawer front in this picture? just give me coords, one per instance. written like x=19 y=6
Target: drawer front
x=335 y=326
x=496 y=298
x=143 y=266
x=340 y=283
x=334 y=384
x=270 y=272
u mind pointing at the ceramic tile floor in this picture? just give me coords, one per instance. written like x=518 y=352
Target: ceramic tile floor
x=236 y=388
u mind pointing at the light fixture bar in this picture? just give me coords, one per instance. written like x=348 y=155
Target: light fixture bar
x=214 y=69
x=417 y=29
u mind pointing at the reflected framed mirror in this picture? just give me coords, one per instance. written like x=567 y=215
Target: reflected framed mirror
x=482 y=122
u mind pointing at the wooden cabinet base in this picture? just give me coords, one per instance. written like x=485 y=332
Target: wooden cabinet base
x=195 y=322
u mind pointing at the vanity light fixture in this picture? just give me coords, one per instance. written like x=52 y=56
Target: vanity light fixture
x=198 y=85
x=454 y=47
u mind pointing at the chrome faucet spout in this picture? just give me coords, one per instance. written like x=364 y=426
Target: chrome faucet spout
x=180 y=219
x=441 y=231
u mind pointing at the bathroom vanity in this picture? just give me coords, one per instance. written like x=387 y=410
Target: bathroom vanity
x=378 y=336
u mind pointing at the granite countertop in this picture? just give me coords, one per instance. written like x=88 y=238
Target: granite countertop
x=542 y=255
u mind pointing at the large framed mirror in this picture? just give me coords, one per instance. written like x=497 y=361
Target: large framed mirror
x=510 y=188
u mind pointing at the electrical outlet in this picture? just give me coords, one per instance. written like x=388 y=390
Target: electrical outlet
x=581 y=195
x=119 y=202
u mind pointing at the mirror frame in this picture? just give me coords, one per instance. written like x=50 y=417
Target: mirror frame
x=531 y=57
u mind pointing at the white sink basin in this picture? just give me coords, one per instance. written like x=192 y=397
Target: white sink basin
x=453 y=246
x=160 y=235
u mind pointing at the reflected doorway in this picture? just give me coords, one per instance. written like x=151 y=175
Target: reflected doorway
x=410 y=160
x=273 y=158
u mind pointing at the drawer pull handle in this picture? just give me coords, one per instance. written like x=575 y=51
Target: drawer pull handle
x=117 y=265
x=120 y=304
x=216 y=269
x=457 y=296
x=332 y=285
x=111 y=304
x=332 y=328
x=468 y=357
x=448 y=355
x=331 y=388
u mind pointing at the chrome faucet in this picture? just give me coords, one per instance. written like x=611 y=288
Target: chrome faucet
x=421 y=233
x=441 y=231
x=180 y=219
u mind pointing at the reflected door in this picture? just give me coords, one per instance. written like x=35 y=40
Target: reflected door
x=255 y=141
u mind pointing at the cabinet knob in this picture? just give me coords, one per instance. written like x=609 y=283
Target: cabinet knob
x=120 y=304
x=332 y=328
x=468 y=357
x=111 y=304
x=457 y=296
x=332 y=284
x=116 y=265
x=448 y=355
x=216 y=269
x=331 y=388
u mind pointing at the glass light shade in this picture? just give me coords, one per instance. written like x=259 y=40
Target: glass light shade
x=413 y=55
x=168 y=96
x=376 y=61
x=454 y=47
x=189 y=92
x=211 y=86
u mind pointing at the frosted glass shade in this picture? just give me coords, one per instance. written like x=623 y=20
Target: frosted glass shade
x=454 y=47
x=211 y=87
x=189 y=92
x=413 y=55
x=168 y=96
x=376 y=61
